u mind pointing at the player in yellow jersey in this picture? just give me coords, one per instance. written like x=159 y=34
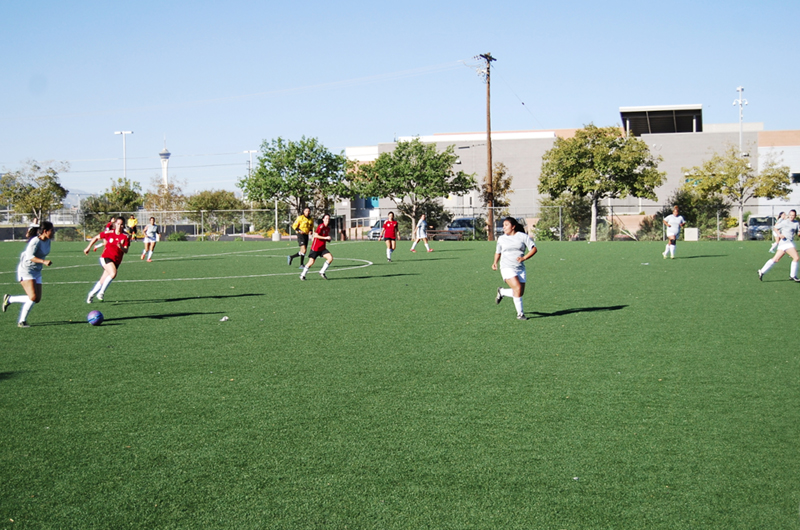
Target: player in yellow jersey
x=302 y=226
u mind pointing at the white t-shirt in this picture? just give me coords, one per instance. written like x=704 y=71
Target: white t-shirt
x=150 y=231
x=36 y=248
x=422 y=229
x=674 y=223
x=512 y=247
x=788 y=229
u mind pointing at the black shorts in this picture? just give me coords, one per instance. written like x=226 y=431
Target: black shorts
x=389 y=239
x=314 y=254
x=109 y=260
x=302 y=239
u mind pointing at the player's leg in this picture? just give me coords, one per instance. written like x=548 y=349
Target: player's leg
x=33 y=295
x=328 y=261
x=795 y=258
x=311 y=260
x=152 y=249
x=517 y=288
x=414 y=244
x=672 y=243
x=425 y=240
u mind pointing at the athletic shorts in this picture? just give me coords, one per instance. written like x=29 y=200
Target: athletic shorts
x=673 y=236
x=103 y=262
x=422 y=235
x=25 y=274
x=149 y=240
x=785 y=244
x=314 y=254
x=389 y=239
x=302 y=240
x=513 y=273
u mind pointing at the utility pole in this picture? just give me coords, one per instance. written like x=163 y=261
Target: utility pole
x=489 y=180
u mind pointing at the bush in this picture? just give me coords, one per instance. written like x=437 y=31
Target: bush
x=68 y=234
x=177 y=236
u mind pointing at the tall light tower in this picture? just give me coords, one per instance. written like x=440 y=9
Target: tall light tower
x=741 y=102
x=124 y=154
x=165 y=163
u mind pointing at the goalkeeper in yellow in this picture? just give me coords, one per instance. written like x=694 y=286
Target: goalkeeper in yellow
x=302 y=226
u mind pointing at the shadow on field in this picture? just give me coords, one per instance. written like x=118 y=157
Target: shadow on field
x=576 y=310
x=159 y=317
x=8 y=375
x=372 y=276
x=184 y=299
x=704 y=256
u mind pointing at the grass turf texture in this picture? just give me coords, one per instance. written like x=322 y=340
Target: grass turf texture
x=642 y=392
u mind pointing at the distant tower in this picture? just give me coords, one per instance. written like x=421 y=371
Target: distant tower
x=165 y=163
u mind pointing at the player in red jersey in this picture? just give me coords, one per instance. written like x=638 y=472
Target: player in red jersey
x=117 y=243
x=389 y=233
x=320 y=238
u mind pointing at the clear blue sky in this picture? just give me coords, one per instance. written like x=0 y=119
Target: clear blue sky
x=219 y=78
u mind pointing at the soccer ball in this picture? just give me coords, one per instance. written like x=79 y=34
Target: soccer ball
x=95 y=318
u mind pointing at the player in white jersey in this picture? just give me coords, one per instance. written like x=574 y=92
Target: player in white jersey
x=785 y=231
x=673 y=223
x=421 y=233
x=29 y=272
x=152 y=234
x=781 y=217
x=514 y=247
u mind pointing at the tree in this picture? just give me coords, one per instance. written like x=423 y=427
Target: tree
x=731 y=176
x=300 y=173
x=165 y=198
x=35 y=189
x=214 y=208
x=599 y=163
x=124 y=196
x=501 y=187
x=412 y=176
x=701 y=211
x=566 y=217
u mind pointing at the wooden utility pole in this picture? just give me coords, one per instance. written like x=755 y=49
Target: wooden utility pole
x=489 y=177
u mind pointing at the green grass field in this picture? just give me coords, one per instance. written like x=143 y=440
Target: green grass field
x=642 y=392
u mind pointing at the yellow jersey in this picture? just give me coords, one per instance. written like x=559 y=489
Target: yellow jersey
x=303 y=224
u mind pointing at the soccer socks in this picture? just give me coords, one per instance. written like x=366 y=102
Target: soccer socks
x=26 y=308
x=150 y=254
x=767 y=266
x=414 y=245
x=324 y=268
x=507 y=292
x=671 y=250
x=389 y=254
x=95 y=289
x=427 y=247
x=305 y=271
x=517 y=303
x=794 y=269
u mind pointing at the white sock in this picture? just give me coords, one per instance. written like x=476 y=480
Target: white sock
x=26 y=308
x=19 y=299
x=794 y=269
x=518 y=304
x=506 y=292
x=150 y=254
x=672 y=250
x=96 y=288
x=427 y=247
x=324 y=268
x=767 y=266
x=666 y=250
x=305 y=271
x=414 y=245
x=388 y=253
x=105 y=285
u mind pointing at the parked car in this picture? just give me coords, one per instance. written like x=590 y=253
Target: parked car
x=375 y=232
x=759 y=227
x=462 y=224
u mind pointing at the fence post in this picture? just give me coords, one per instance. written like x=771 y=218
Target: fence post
x=560 y=225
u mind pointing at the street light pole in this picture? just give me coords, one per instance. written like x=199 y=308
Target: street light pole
x=124 y=154
x=250 y=174
x=741 y=102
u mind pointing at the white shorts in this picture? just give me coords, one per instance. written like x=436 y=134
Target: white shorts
x=673 y=236
x=785 y=245
x=421 y=234
x=148 y=240
x=25 y=274
x=513 y=273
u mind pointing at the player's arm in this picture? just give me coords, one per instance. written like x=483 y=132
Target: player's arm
x=496 y=259
x=527 y=256
x=91 y=242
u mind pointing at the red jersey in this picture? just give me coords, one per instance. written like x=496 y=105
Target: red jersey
x=390 y=230
x=115 y=243
x=319 y=244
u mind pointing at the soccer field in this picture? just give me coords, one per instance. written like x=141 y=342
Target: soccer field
x=642 y=392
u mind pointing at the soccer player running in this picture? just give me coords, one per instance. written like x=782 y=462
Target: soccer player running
x=781 y=217
x=673 y=223
x=132 y=224
x=785 y=230
x=117 y=243
x=421 y=233
x=29 y=272
x=389 y=233
x=320 y=238
x=302 y=226
x=151 y=233
x=514 y=247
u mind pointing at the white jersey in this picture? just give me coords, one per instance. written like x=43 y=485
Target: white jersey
x=151 y=231
x=512 y=247
x=674 y=223
x=422 y=229
x=788 y=229
x=36 y=248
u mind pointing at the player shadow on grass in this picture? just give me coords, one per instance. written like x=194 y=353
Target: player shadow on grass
x=704 y=256
x=110 y=321
x=186 y=298
x=372 y=276
x=539 y=314
x=8 y=375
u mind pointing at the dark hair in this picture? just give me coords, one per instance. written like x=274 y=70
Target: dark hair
x=44 y=226
x=514 y=224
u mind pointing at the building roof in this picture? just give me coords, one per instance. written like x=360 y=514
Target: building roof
x=662 y=119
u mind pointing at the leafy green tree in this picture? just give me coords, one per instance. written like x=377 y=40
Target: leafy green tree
x=123 y=197
x=599 y=163
x=701 y=211
x=412 y=176
x=165 y=198
x=731 y=176
x=300 y=173
x=214 y=209
x=501 y=187
x=569 y=216
x=34 y=190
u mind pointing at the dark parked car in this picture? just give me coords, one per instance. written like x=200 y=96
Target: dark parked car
x=759 y=227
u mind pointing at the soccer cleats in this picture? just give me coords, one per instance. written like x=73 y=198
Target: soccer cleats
x=499 y=297
x=521 y=316
x=23 y=324
x=6 y=303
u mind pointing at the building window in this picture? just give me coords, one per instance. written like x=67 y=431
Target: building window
x=795 y=178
